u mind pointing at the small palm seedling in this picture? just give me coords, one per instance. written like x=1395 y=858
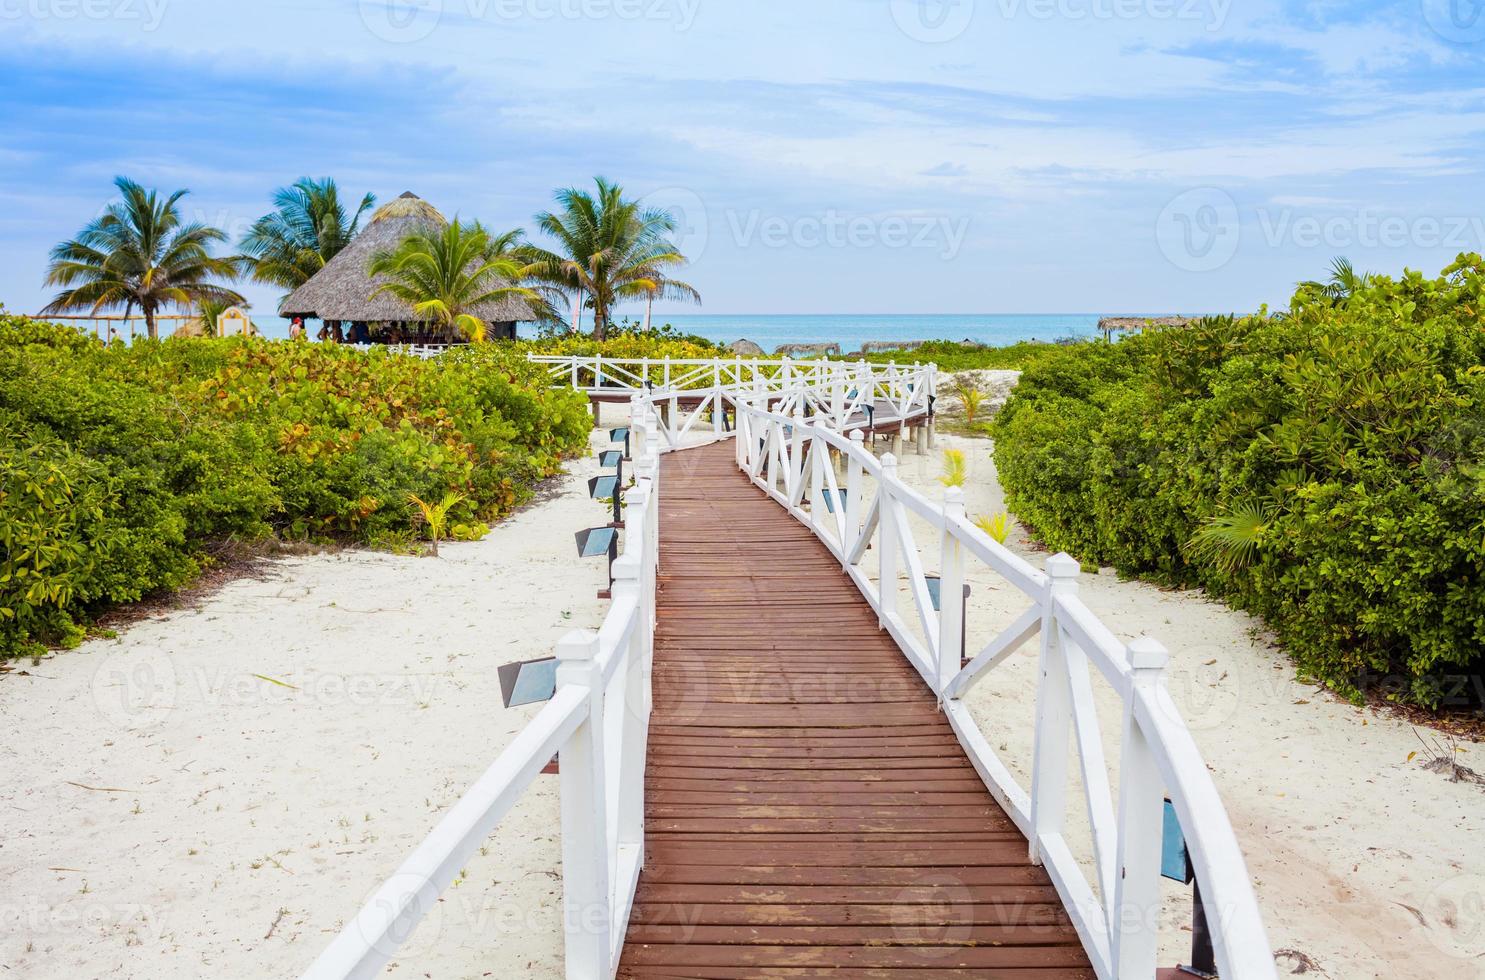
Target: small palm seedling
x=998 y=526
x=436 y=516
x=954 y=468
x=970 y=397
x=1232 y=541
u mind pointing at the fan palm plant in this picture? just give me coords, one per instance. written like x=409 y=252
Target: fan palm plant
x=139 y=253
x=446 y=275
x=307 y=228
x=1343 y=283
x=609 y=249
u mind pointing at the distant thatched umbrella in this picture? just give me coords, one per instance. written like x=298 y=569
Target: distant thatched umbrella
x=1109 y=324
x=343 y=289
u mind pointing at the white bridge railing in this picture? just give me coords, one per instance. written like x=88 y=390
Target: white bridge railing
x=598 y=722
x=695 y=397
x=1116 y=914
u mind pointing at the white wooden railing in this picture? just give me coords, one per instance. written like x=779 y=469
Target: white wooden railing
x=598 y=723
x=695 y=397
x=1116 y=913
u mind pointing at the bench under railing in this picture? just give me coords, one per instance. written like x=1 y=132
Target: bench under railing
x=793 y=459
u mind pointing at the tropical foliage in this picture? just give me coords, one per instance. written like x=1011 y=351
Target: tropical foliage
x=608 y=249
x=123 y=470
x=141 y=254
x=307 y=228
x=1324 y=469
x=445 y=276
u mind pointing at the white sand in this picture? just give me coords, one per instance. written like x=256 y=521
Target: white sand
x=222 y=799
x=238 y=798
x=1364 y=862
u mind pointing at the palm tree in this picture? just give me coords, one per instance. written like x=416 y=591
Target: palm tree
x=608 y=249
x=1344 y=282
x=138 y=253
x=446 y=275
x=307 y=228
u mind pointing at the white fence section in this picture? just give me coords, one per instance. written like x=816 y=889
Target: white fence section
x=598 y=721
x=1116 y=914
x=695 y=397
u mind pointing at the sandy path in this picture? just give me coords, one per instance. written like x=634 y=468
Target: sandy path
x=1364 y=862
x=235 y=823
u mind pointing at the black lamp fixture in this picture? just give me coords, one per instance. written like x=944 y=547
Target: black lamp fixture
x=935 y=595
x=595 y=541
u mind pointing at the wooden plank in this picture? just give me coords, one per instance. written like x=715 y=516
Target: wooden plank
x=809 y=811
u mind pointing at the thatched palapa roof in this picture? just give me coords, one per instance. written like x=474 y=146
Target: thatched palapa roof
x=342 y=290
x=1108 y=324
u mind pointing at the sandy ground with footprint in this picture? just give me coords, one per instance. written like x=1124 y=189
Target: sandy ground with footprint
x=216 y=791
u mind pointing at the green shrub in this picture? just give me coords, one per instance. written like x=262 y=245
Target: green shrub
x=1323 y=468
x=950 y=355
x=121 y=468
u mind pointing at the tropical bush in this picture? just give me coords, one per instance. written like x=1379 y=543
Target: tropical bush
x=122 y=468
x=1323 y=468
x=951 y=355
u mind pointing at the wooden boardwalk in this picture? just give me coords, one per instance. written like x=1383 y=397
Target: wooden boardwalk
x=809 y=812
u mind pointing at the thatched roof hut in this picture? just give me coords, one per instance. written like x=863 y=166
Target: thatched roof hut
x=343 y=289
x=1108 y=324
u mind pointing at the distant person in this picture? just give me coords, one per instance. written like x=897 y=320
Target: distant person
x=359 y=334
x=337 y=333
x=296 y=329
x=324 y=335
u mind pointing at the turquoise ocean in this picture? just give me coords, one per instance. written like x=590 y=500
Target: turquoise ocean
x=851 y=330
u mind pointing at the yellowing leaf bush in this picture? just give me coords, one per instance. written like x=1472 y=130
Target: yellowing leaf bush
x=120 y=467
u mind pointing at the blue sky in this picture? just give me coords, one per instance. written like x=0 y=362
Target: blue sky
x=831 y=156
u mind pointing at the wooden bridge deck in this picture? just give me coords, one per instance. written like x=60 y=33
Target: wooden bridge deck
x=809 y=812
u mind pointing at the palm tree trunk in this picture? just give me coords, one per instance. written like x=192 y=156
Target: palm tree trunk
x=577 y=312
x=149 y=321
x=649 y=302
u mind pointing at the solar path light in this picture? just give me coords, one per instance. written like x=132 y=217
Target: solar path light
x=529 y=682
x=1175 y=864
x=935 y=594
x=621 y=434
x=595 y=541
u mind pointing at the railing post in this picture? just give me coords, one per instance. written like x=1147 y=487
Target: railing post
x=886 y=543
x=797 y=448
x=587 y=916
x=951 y=592
x=1053 y=711
x=853 y=493
x=1136 y=913
x=819 y=451
x=635 y=725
